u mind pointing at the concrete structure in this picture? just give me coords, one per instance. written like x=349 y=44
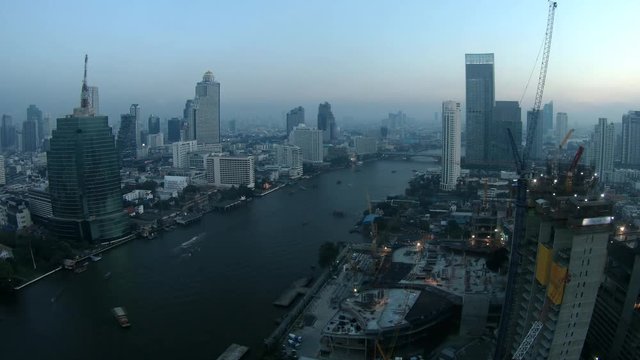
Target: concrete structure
x=175 y=184
x=207 y=117
x=40 y=205
x=3 y=176
x=35 y=114
x=506 y=115
x=135 y=111
x=138 y=195
x=451 y=149
x=631 y=138
x=189 y=116
x=601 y=149
x=289 y=156
x=614 y=331
x=536 y=151
x=309 y=140
x=227 y=171
x=155 y=140
x=395 y=125
x=180 y=150
x=365 y=145
x=327 y=122
x=562 y=126
x=480 y=98
x=295 y=117
x=14 y=214
x=7 y=133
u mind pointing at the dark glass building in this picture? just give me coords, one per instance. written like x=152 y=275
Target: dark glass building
x=327 y=122
x=126 y=143
x=154 y=125
x=84 y=178
x=174 y=126
x=295 y=117
x=29 y=136
x=35 y=114
x=480 y=99
x=506 y=115
x=7 y=133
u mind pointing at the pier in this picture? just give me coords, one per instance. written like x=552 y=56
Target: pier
x=298 y=287
x=188 y=219
x=233 y=352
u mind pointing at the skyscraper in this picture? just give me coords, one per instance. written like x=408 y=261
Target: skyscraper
x=547 y=118
x=309 y=140
x=29 y=136
x=480 y=98
x=289 y=156
x=631 y=138
x=180 y=151
x=7 y=133
x=562 y=126
x=207 y=119
x=3 y=179
x=506 y=115
x=295 y=117
x=94 y=99
x=154 y=125
x=174 y=126
x=327 y=122
x=601 y=149
x=35 y=114
x=84 y=177
x=536 y=151
x=189 y=116
x=450 y=145
x=126 y=143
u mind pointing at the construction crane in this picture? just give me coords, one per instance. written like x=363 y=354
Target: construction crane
x=558 y=151
x=521 y=194
x=569 y=181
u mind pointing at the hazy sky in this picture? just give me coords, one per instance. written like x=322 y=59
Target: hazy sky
x=366 y=58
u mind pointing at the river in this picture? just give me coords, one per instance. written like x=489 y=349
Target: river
x=195 y=306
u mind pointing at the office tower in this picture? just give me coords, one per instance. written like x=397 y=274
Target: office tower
x=327 y=122
x=227 y=170
x=506 y=115
x=84 y=177
x=29 y=136
x=154 y=125
x=174 y=126
x=536 y=150
x=309 y=140
x=364 y=145
x=94 y=99
x=126 y=143
x=3 y=177
x=547 y=118
x=289 y=156
x=135 y=111
x=7 y=133
x=631 y=138
x=601 y=149
x=207 y=119
x=46 y=126
x=189 y=116
x=180 y=151
x=232 y=126
x=563 y=255
x=34 y=114
x=614 y=332
x=295 y=117
x=480 y=98
x=450 y=145
x=562 y=126
x=155 y=140
x=395 y=124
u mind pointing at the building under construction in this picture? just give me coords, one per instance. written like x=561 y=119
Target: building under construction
x=563 y=255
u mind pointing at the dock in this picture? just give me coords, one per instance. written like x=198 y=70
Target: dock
x=188 y=219
x=233 y=352
x=298 y=287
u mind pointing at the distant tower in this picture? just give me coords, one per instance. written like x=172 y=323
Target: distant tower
x=631 y=138
x=174 y=126
x=295 y=117
x=309 y=140
x=29 y=136
x=3 y=180
x=602 y=145
x=536 y=151
x=480 y=99
x=562 y=126
x=506 y=115
x=207 y=118
x=154 y=125
x=189 y=116
x=84 y=177
x=7 y=133
x=34 y=114
x=327 y=122
x=547 y=118
x=126 y=144
x=450 y=145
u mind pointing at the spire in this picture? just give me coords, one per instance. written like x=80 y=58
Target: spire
x=85 y=108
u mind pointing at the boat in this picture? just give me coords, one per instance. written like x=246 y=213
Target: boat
x=121 y=316
x=107 y=275
x=96 y=257
x=338 y=182
x=338 y=213
x=393 y=171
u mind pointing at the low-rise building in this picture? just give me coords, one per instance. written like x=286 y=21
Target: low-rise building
x=14 y=214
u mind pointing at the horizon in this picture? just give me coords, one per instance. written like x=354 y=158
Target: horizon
x=367 y=59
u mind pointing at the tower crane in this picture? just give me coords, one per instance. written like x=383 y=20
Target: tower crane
x=521 y=195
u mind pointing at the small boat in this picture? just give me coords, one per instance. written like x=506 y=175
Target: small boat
x=338 y=182
x=393 y=171
x=121 y=316
x=96 y=257
x=338 y=213
x=107 y=275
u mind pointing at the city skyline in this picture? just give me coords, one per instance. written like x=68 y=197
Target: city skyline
x=363 y=69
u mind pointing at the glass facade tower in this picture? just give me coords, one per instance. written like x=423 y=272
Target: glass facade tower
x=480 y=98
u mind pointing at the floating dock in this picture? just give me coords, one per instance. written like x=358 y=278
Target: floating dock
x=298 y=287
x=233 y=352
x=188 y=219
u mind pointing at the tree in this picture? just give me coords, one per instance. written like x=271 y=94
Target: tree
x=327 y=254
x=6 y=270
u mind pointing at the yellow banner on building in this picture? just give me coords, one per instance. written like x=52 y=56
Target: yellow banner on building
x=543 y=262
x=557 y=281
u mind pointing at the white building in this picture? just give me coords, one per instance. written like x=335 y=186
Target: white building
x=155 y=140
x=14 y=214
x=207 y=119
x=601 y=149
x=226 y=170
x=175 y=184
x=365 y=145
x=309 y=140
x=3 y=179
x=450 y=145
x=180 y=150
x=138 y=194
x=289 y=156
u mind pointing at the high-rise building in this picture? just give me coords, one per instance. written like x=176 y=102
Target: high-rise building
x=295 y=117
x=34 y=114
x=289 y=156
x=207 y=119
x=450 y=145
x=84 y=177
x=536 y=150
x=600 y=149
x=174 y=126
x=480 y=98
x=29 y=136
x=46 y=126
x=127 y=140
x=155 y=140
x=180 y=151
x=327 y=122
x=547 y=118
x=227 y=170
x=94 y=99
x=309 y=140
x=506 y=115
x=154 y=125
x=40 y=205
x=562 y=126
x=232 y=126
x=3 y=177
x=135 y=111
x=395 y=123
x=7 y=133
x=189 y=116
x=631 y=138
x=364 y=145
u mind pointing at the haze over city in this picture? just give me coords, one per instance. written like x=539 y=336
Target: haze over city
x=367 y=58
